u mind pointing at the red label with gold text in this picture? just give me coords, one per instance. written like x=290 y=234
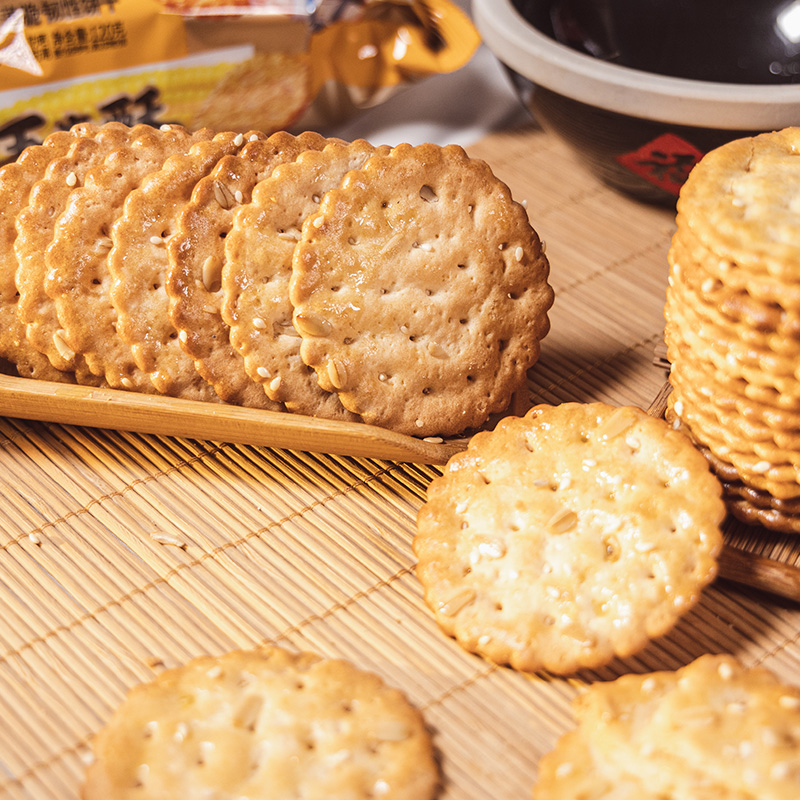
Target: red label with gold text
x=665 y=161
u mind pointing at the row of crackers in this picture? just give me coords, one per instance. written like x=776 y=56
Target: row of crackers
x=402 y=287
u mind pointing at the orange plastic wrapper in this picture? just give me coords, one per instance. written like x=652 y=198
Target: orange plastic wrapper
x=225 y=64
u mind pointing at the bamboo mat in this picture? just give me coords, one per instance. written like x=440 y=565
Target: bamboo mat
x=122 y=554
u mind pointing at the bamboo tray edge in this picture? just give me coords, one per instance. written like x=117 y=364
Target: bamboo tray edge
x=48 y=401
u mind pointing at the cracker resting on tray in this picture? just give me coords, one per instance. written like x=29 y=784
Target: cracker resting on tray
x=399 y=286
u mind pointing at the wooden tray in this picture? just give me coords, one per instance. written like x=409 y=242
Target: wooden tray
x=168 y=416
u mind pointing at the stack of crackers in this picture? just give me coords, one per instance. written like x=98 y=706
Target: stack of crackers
x=402 y=287
x=733 y=323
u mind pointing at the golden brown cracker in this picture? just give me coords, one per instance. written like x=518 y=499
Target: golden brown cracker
x=78 y=279
x=730 y=355
x=138 y=264
x=746 y=419
x=568 y=537
x=733 y=320
x=35 y=231
x=571 y=771
x=258 y=269
x=723 y=398
x=197 y=255
x=16 y=180
x=420 y=291
x=762 y=500
x=751 y=513
x=738 y=314
x=739 y=201
x=747 y=503
x=720 y=267
x=711 y=729
x=762 y=466
x=754 y=506
x=261 y=724
x=721 y=330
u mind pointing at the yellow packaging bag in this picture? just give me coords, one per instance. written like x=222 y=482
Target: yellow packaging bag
x=226 y=64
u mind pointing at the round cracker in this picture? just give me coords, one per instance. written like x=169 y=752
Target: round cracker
x=263 y=724
x=420 y=291
x=16 y=180
x=35 y=232
x=258 y=269
x=197 y=255
x=138 y=264
x=568 y=537
x=78 y=279
x=739 y=201
x=712 y=730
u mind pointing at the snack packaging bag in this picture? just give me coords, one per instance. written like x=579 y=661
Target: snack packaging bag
x=234 y=64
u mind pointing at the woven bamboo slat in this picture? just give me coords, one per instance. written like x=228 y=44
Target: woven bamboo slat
x=133 y=546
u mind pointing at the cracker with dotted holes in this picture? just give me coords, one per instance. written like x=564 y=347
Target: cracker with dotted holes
x=261 y=724
x=16 y=180
x=138 y=265
x=712 y=729
x=568 y=537
x=258 y=268
x=740 y=202
x=197 y=255
x=420 y=291
x=36 y=223
x=78 y=279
